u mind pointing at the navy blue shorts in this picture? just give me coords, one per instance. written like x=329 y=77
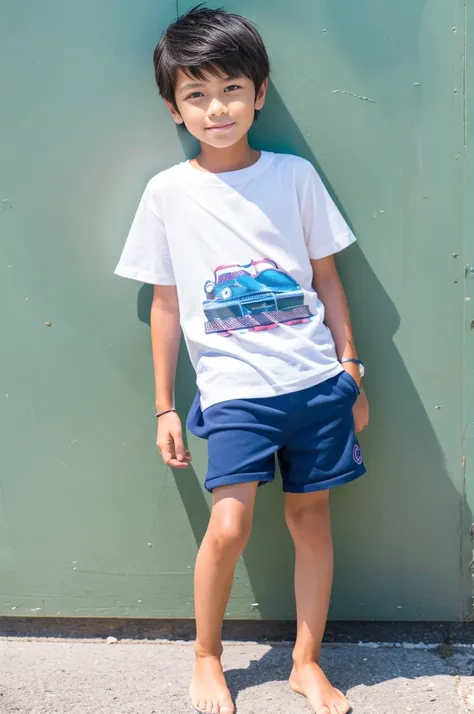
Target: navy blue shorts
x=310 y=431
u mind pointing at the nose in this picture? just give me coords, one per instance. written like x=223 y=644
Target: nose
x=217 y=108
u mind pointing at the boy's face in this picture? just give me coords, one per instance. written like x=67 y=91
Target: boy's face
x=217 y=110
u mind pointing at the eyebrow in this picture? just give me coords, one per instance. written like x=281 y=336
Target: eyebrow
x=197 y=85
x=191 y=85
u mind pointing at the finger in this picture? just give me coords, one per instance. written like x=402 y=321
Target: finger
x=170 y=458
x=175 y=464
x=361 y=418
x=179 y=447
x=166 y=456
x=364 y=419
x=355 y=413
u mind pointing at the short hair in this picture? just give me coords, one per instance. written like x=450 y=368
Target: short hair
x=214 y=41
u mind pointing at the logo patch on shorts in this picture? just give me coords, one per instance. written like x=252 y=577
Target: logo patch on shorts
x=357 y=454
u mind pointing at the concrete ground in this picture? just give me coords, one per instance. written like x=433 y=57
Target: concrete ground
x=151 y=677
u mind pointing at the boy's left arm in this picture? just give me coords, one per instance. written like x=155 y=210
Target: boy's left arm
x=328 y=285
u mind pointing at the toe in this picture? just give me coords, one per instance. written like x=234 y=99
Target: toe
x=324 y=710
x=343 y=707
x=201 y=706
x=225 y=709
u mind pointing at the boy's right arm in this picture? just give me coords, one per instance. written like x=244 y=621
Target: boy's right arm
x=165 y=341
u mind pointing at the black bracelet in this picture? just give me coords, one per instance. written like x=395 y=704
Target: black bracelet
x=160 y=414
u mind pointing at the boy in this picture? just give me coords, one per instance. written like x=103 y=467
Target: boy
x=239 y=246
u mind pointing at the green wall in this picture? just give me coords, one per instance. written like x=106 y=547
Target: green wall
x=468 y=433
x=91 y=522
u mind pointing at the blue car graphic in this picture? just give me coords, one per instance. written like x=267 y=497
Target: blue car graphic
x=257 y=296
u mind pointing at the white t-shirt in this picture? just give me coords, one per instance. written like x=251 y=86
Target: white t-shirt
x=237 y=246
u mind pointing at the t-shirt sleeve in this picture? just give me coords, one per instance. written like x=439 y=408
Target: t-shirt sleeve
x=146 y=255
x=326 y=232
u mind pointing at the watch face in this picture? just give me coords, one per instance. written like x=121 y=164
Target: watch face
x=362 y=370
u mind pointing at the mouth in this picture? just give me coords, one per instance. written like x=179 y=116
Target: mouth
x=218 y=128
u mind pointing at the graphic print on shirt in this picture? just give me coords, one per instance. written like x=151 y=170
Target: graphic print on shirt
x=254 y=297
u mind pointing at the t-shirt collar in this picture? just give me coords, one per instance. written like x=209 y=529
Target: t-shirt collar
x=228 y=178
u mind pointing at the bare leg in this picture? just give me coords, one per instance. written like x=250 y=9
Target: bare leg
x=308 y=519
x=225 y=539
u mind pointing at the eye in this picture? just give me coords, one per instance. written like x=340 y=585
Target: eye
x=232 y=88
x=195 y=95
x=226 y=293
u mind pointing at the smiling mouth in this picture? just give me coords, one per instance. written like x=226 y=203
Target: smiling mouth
x=221 y=127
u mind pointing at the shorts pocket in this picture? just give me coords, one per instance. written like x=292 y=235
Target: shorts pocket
x=350 y=381
x=195 y=420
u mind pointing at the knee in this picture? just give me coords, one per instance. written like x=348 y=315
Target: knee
x=229 y=534
x=304 y=520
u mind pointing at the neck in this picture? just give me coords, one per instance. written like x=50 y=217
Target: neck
x=233 y=158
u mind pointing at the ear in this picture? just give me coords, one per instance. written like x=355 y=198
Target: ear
x=261 y=94
x=177 y=118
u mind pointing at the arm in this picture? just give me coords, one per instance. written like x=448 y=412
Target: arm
x=327 y=284
x=165 y=340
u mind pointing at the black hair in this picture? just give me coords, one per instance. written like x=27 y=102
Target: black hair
x=214 y=41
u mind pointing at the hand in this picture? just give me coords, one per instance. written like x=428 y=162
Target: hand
x=170 y=442
x=361 y=411
x=361 y=407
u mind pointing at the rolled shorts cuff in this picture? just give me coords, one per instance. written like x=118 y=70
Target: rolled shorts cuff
x=233 y=479
x=326 y=485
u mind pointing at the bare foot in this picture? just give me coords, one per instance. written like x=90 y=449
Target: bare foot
x=310 y=681
x=209 y=692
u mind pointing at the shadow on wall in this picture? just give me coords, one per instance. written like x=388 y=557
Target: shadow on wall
x=397 y=417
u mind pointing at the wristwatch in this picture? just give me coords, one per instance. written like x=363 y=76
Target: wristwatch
x=357 y=362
